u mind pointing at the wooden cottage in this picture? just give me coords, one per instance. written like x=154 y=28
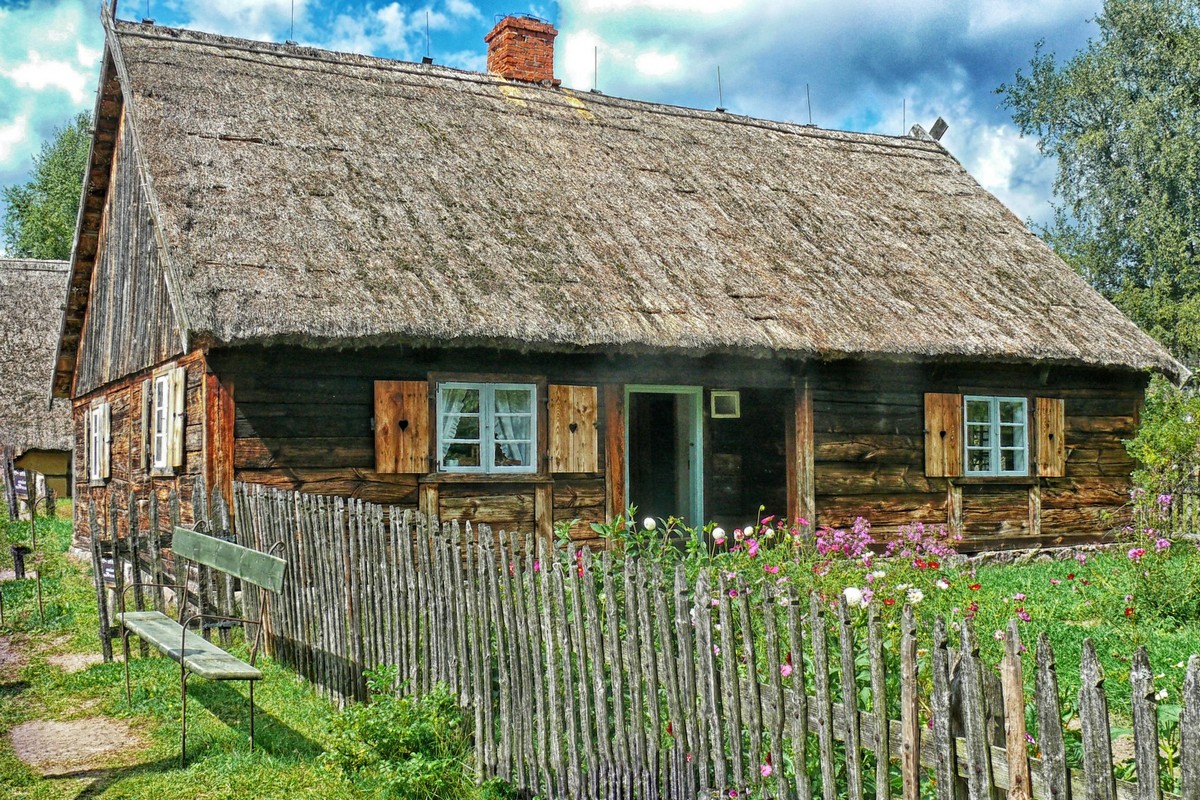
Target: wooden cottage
x=494 y=298
x=35 y=434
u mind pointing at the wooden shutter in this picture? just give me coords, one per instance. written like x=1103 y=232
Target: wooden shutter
x=106 y=441
x=943 y=435
x=87 y=443
x=574 y=438
x=402 y=429
x=176 y=425
x=1051 y=442
x=147 y=439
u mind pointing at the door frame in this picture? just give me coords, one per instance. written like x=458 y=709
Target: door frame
x=695 y=515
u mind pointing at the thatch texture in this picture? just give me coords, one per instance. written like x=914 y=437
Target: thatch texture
x=336 y=200
x=31 y=301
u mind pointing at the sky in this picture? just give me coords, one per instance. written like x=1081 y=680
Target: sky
x=867 y=65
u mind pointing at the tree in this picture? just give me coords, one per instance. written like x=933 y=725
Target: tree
x=39 y=220
x=1122 y=118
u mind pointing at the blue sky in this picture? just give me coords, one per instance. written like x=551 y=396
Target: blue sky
x=871 y=65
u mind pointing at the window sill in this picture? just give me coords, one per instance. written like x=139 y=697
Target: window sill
x=97 y=483
x=994 y=480
x=162 y=472
x=478 y=477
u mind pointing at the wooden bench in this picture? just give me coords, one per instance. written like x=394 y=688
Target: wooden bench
x=174 y=639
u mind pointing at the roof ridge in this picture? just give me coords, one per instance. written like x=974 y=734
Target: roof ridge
x=342 y=58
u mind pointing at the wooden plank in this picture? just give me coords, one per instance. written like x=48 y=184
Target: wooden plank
x=574 y=423
x=778 y=709
x=543 y=511
x=1020 y=786
x=752 y=693
x=798 y=728
x=879 y=709
x=823 y=701
x=1189 y=732
x=851 y=731
x=1035 y=510
x=945 y=767
x=710 y=727
x=403 y=432
x=614 y=450
x=974 y=711
x=98 y=579
x=1049 y=417
x=731 y=699
x=943 y=435
x=801 y=459
x=573 y=779
x=1145 y=726
x=1055 y=775
x=258 y=568
x=910 y=725
x=1093 y=718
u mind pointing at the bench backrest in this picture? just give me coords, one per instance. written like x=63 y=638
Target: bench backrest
x=251 y=566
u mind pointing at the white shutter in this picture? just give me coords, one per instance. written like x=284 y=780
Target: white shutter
x=147 y=440
x=106 y=441
x=88 y=447
x=176 y=425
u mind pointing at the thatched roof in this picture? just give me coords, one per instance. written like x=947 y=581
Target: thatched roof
x=31 y=300
x=333 y=200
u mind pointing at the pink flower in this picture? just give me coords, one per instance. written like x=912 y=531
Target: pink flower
x=785 y=670
x=1055 y=581
x=1019 y=596
x=765 y=770
x=537 y=565
x=1162 y=544
x=771 y=568
x=752 y=547
x=1136 y=553
x=998 y=636
x=1023 y=614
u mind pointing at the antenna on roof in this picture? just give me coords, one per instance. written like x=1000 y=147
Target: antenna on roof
x=428 y=59
x=808 y=94
x=904 y=114
x=595 y=68
x=292 y=35
x=720 y=92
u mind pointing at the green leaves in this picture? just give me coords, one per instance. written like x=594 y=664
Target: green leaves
x=1122 y=119
x=39 y=220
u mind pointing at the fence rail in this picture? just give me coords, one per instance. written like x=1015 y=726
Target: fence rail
x=591 y=679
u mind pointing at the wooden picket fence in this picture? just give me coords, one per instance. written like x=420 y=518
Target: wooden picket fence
x=592 y=679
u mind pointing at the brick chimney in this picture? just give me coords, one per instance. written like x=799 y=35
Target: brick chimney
x=522 y=49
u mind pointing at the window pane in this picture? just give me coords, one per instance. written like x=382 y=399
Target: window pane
x=460 y=455
x=460 y=426
x=979 y=436
x=1008 y=461
x=510 y=427
x=512 y=454
x=979 y=460
x=1011 y=435
x=513 y=400
x=979 y=411
x=1012 y=411
x=459 y=400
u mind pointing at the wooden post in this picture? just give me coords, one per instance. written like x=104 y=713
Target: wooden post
x=1020 y=786
x=1145 y=727
x=1050 y=732
x=1189 y=727
x=98 y=576
x=1093 y=718
x=910 y=725
x=543 y=512
x=1035 y=510
x=614 y=451
x=10 y=481
x=954 y=513
x=801 y=469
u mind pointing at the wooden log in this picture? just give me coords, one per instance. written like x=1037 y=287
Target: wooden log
x=1145 y=726
x=910 y=749
x=823 y=701
x=731 y=696
x=879 y=703
x=1020 y=786
x=1055 y=775
x=1093 y=718
x=1189 y=729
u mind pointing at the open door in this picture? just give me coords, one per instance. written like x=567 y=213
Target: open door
x=663 y=446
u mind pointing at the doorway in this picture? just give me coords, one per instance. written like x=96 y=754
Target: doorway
x=664 y=473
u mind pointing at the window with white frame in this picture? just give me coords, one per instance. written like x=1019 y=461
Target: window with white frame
x=97 y=444
x=487 y=427
x=160 y=447
x=997 y=435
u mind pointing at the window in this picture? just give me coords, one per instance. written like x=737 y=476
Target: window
x=997 y=440
x=97 y=442
x=487 y=427
x=160 y=452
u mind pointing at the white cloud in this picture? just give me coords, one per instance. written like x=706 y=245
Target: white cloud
x=250 y=19
x=87 y=56
x=462 y=9
x=657 y=65
x=38 y=73
x=13 y=138
x=685 y=6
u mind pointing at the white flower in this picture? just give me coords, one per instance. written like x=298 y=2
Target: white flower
x=942 y=583
x=1160 y=695
x=738 y=535
x=915 y=595
x=854 y=597
x=649 y=524
x=719 y=535
x=903 y=586
x=877 y=574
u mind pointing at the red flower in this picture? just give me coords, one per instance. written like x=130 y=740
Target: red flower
x=919 y=564
x=889 y=601
x=1071 y=577
x=670 y=729
x=1129 y=612
x=975 y=587
x=935 y=565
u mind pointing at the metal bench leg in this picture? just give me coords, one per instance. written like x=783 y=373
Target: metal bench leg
x=251 y=715
x=125 y=650
x=183 y=676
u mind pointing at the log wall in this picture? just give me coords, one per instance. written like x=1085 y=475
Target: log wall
x=129 y=324
x=303 y=421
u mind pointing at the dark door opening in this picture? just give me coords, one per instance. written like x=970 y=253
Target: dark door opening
x=662 y=427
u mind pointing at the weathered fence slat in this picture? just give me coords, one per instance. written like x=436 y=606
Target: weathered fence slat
x=979 y=761
x=879 y=704
x=799 y=715
x=823 y=698
x=1050 y=733
x=1145 y=726
x=850 y=735
x=1093 y=720
x=731 y=694
x=1020 y=784
x=1189 y=726
x=910 y=725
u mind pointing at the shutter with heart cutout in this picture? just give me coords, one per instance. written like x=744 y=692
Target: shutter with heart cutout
x=573 y=429
x=402 y=429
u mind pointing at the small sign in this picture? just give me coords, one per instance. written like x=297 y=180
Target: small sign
x=21 y=483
